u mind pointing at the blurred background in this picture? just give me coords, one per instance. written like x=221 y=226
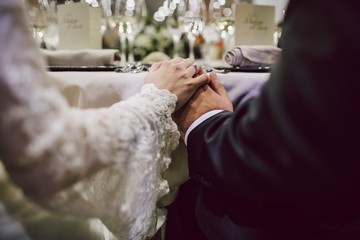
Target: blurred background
x=163 y=27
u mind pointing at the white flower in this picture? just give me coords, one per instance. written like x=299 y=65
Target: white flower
x=164 y=39
x=150 y=31
x=164 y=33
x=143 y=41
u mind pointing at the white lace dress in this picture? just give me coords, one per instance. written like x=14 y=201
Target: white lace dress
x=97 y=163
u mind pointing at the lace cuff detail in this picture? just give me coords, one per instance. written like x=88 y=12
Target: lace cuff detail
x=165 y=100
x=158 y=105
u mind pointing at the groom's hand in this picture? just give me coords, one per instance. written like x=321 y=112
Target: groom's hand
x=207 y=98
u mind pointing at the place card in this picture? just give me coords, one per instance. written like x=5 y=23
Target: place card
x=254 y=24
x=79 y=26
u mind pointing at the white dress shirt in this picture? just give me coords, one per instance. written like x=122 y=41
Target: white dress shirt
x=198 y=121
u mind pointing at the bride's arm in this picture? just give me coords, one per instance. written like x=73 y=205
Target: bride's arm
x=104 y=163
x=45 y=145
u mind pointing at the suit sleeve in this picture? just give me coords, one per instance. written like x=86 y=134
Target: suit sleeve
x=297 y=139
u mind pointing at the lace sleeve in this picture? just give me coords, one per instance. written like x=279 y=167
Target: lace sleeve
x=124 y=195
x=102 y=163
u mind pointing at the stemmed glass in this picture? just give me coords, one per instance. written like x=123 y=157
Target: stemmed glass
x=172 y=24
x=41 y=13
x=128 y=17
x=191 y=17
x=222 y=13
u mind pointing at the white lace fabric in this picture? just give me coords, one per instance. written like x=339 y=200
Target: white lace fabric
x=96 y=163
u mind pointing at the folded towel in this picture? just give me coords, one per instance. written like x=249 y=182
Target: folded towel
x=86 y=57
x=252 y=55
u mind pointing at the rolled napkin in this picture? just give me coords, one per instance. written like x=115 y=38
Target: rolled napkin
x=155 y=57
x=86 y=57
x=252 y=55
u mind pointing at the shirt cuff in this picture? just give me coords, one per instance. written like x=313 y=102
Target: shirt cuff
x=198 y=121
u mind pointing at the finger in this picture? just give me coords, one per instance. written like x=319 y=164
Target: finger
x=199 y=68
x=202 y=70
x=176 y=60
x=155 y=66
x=204 y=90
x=195 y=69
x=217 y=85
x=199 y=92
x=185 y=63
x=201 y=80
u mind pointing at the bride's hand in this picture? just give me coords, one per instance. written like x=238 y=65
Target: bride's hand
x=181 y=77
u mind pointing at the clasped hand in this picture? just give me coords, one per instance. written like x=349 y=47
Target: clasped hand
x=197 y=92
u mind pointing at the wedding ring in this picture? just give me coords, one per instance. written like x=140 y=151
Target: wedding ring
x=196 y=69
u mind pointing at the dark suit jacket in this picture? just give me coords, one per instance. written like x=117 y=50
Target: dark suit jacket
x=287 y=163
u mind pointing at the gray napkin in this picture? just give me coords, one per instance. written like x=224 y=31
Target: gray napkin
x=86 y=57
x=252 y=55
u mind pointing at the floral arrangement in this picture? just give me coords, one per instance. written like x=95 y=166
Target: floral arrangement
x=153 y=37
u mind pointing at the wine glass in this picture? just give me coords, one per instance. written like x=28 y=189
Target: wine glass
x=222 y=13
x=128 y=18
x=42 y=13
x=191 y=17
x=172 y=24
